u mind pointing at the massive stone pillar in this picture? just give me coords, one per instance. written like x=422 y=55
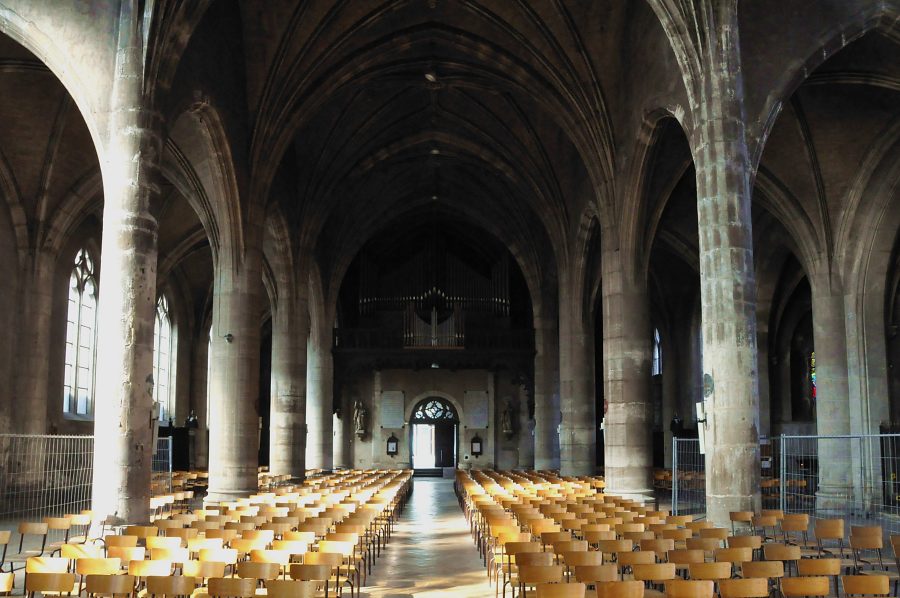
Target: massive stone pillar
x=577 y=400
x=727 y=279
x=123 y=427
x=199 y=381
x=832 y=397
x=234 y=376
x=320 y=400
x=546 y=394
x=30 y=414
x=287 y=428
x=627 y=353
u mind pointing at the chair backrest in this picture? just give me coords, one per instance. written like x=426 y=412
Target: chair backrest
x=164 y=542
x=46 y=564
x=88 y=566
x=290 y=588
x=680 y=588
x=767 y=569
x=829 y=529
x=620 y=589
x=561 y=590
x=718 y=533
x=232 y=587
x=49 y=582
x=710 y=571
x=594 y=573
x=752 y=587
x=203 y=569
x=124 y=541
x=753 y=542
x=109 y=585
x=6 y=582
x=582 y=558
x=171 y=585
x=813 y=567
x=147 y=568
x=534 y=558
x=685 y=556
x=534 y=574
x=734 y=555
x=805 y=586
x=869 y=585
x=258 y=570
x=654 y=572
x=629 y=559
x=311 y=572
x=781 y=552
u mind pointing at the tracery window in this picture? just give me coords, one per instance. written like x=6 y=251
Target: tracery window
x=81 y=336
x=163 y=360
x=434 y=410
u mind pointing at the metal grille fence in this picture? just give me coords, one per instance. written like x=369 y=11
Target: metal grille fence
x=47 y=476
x=162 y=466
x=856 y=477
x=43 y=476
x=688 y=477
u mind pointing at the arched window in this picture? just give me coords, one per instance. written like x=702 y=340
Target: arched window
x=81 y=333
x=434 y=410
x=163 y=360
x=657 y=353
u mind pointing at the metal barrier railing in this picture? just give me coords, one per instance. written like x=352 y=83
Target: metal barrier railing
x=688 y=477
x=856 y=477
x=45 y=476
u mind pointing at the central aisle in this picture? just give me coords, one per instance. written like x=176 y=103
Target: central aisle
x=431 y=553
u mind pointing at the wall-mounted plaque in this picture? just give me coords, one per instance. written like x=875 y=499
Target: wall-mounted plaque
x=392 y=409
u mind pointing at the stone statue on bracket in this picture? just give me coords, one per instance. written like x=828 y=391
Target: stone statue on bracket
x=360 y=415
x=506 y=419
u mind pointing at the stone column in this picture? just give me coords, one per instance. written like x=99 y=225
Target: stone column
x=123 y=398
x=199 y=377
x=832 y=398
x=234 y=376
x=287 y=427
x=669 y=394
x=727 y=278
x=320 y=400
x=627 y=353
x=546 y=394
x=577 y=400
x=32 y=392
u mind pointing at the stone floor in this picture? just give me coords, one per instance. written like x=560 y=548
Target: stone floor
x=431 y=553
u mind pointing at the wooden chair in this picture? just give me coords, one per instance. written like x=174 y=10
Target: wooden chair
x=232 y=587
x=96 y=566
x=655 y=574
x=620 y=589
x=203 y=570
x=829 y=532
x=169 y=586
x=710 y=571
x=741 y=519
x=866 y=585
x=592 y=574
x=257 y=570
x=41 y=583
x=680 y=588
x=792 y=587
x=319 y=574
x=109 y=585
x=786 y=553
x=751 y=587
x=7 y=582
x=533 y=575
x=27 y=529
x=772 y=571
x=561 y=590
x=290 y=588
x=829 y=567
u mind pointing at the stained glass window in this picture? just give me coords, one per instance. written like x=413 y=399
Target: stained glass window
x=163 y=360
x=434 y=410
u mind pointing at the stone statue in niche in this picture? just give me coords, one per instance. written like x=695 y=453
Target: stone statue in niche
x=360 y=415
x=506 y=419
